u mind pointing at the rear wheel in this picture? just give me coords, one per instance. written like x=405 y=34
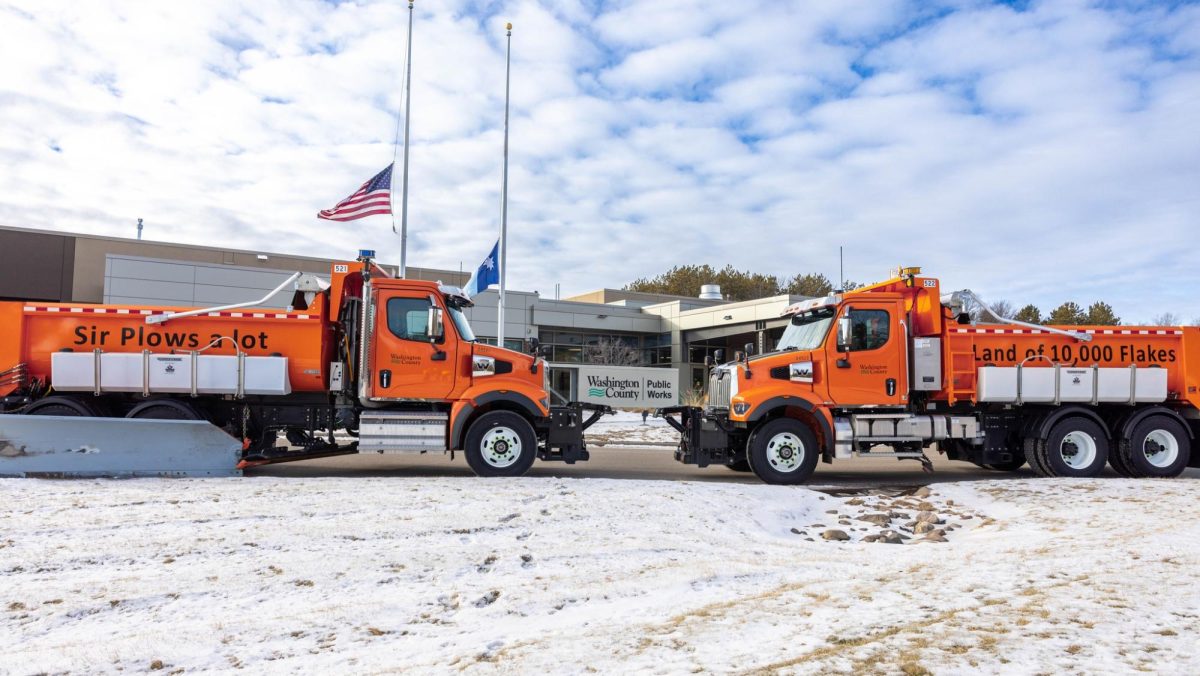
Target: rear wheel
x=500 y=443
x=1159 y=447
x=1075 y=447
x=59 y=405
x=165 y=409
x=783 y=451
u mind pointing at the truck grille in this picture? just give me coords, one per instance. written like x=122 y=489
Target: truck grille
x=718 y=388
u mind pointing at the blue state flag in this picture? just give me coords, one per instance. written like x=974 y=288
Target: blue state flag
x=486 y=274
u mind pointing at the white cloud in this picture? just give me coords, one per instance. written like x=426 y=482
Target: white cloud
x=1038 y=155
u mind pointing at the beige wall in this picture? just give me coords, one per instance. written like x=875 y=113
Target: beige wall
x=85 y=276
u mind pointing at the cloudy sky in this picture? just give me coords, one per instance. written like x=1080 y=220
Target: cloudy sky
x=1033 y=151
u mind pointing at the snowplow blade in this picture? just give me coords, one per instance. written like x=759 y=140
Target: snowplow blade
x=44 y=446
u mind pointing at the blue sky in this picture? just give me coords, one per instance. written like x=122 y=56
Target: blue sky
x=1033 y=151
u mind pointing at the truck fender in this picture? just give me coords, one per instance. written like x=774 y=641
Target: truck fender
x=766 y=410
x=1038 y=426
x=1123 y=427
x=465 y=411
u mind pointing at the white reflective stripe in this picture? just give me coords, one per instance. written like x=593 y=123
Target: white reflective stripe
x=122 y=311
x=1143 y=332
x=77 y=309
x=30 y=308
x=145 y=312
x=1018 y=330
x=279 y=316
x=1161 y=332
x=1108 y=332
x=301 y=316
x=53 y=309
x=258 y=315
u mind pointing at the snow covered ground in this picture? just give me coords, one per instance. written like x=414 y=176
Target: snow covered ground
x=627 y=429
x=582 y=575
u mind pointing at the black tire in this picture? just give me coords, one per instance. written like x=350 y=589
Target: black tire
x=59 y=405
x=1030 y=446
x=783 y=451
x=1117 y=459
x=165 y=409
x=484 y=455
x=1075 y=447
x=1159 y=447
x=1017 y=462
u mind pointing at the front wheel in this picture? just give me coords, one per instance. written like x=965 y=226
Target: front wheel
x=500 y=443
x=783 y=451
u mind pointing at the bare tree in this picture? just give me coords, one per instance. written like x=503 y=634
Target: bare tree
x=1000 y=307
x=1166 y=319
x=611 y=352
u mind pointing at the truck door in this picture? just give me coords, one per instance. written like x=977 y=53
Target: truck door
x=869 y=363
x=409 y=363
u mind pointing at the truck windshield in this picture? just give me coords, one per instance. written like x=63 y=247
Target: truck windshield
x=807 y=330
x=461 y=323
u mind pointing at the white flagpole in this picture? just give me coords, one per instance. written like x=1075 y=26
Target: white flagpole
x=504 y=196
x=407 y=117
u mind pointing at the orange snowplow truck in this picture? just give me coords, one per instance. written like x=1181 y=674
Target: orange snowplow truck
x=390 y=362
x=887 y=370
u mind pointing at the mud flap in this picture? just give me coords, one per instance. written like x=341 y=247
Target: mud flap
x=45 y=446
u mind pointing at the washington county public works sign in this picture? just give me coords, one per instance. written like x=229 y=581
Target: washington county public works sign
x=628 y=386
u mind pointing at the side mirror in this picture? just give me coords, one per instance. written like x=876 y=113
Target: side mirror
x=719 y=355
x=434 y=327
x=843 y=333
x=532 y=344
x=748 y=348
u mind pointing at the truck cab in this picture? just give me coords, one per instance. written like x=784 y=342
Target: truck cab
x=888 y=369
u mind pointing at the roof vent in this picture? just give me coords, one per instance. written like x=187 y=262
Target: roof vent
x=710 y=292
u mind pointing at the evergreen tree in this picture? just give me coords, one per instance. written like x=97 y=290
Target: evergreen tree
x=1029 y=314
x=1101 y=314
x=1067 y=314
x=813 y=285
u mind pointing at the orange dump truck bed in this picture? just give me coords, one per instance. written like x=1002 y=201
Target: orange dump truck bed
x=34 y=331
x=1175 y=351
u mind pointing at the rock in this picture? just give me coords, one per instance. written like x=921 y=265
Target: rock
x=871 y=538
x=890 y=537
x=923 y=527
x=928 y=517
x=843 y=522
x=925 y=507
x=935 y=537
x=923 y=492
x=949 y=502
x=877 y=519
x=817 y=525
x=831 y=511
x=796 y=531
x=837 y=535
x=854 y=501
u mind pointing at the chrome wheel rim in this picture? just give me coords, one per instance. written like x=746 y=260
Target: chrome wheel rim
x=1161 y=448
x=785 y=452
x=501 y=446
x=1078 y=450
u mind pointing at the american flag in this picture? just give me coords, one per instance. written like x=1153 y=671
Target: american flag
x=374 y=197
